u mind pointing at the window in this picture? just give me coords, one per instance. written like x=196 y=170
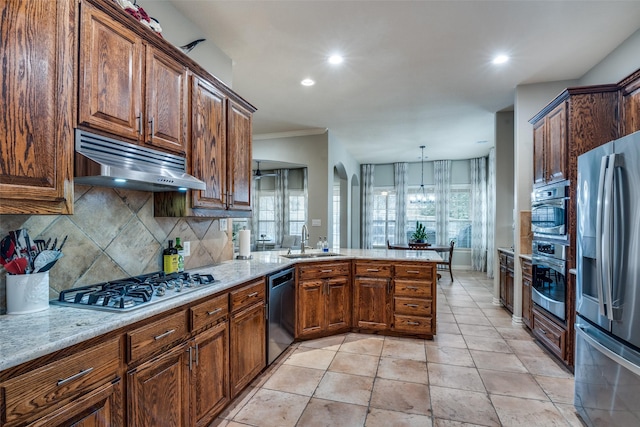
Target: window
x=266 y=216
x=297 y=212
x=459 y=228
x=384 y=217
x=421 y=209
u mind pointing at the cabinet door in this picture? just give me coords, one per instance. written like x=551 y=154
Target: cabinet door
x=526 y=301
x=248 y=350
x=631 y=109
x=371 y=303
x=211 y=373
x=539 y=140
x=159 y=390
x=557 y=156
x=509 y=291
x=503 y=280
x=110 y=86
x=338 y=312
x=100 y=408
x=239 y=157
x=37 y=52
x=311 y=307
x=166 y=117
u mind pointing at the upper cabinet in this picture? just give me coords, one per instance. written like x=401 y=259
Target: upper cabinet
x=239 y=156
x=630 y=100
x=550 y=146
x=129 y=88
x=38 y=53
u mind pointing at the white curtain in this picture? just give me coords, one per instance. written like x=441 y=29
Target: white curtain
x=281 y=204
x=479 y=214
x=442 y=175
x=255 y=199
x=366 y=216
x=401 y=178
x=491 y=212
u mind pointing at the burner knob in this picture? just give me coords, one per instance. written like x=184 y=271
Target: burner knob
x=170 y=284
x=160 y=291
x=178 y=287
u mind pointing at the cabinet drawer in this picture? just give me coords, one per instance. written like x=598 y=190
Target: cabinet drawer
x=510 y=262
x=247 y=295
x=38 y=392
x=412 y=288
x=412 y=324
x=373 y=269
x=414 y=271
x=323 y=270
x=412 y=306
x=550 y=334
x=526 y=269
x=209 y=312
x=150 y=338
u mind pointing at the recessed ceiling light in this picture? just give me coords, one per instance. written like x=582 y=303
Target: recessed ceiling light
x=335 y=59
x=500 y=59
x=307 y=82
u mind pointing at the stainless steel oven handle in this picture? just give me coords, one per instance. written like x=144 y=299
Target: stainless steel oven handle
x=607 y=235
x=599 y=214
x=557 y=265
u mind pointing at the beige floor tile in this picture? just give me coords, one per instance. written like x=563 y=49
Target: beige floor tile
x=472 y=320
x=272 y=408
x=501 y=321
x=518 y=412
x=464 y=406
x=515 y=332
x=448 y=328
x=404 y=348
x=383 y=418
x=466 y=311
x=238 y=403
x=401 y=396
x=295 y=379
x=512 y=384
x=544 y=366
x=497 y=361
x=448 y=340
x=363 y=344
x=332 y=343
x=310 y=358
x=487 y=344
x=327 y=413
x=449 y=356
x=403 y=370
x=479 y=331
x=443 y=307
x=527 y=348
x=559 y=390
x=345 y=388
x=461 y=302
x=445 y=318
x=439 y=422
x=459 y=377
x=355 y=364
x=569 y=413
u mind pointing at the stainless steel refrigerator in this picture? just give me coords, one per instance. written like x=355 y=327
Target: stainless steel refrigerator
x=607 y=363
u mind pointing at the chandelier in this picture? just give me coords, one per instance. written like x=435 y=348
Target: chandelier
x=421 y=195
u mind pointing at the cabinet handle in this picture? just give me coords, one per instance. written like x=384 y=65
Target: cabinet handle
x=413 y=323
x=374 y=270
x=152 y=127
x=413 y=272
x=413 y=288
x=412 y=305
x=197 y=354
x=139 y=120
x=166 y=334
x=211 y=313
x=326 y=271
x=252 y=294
x=543 y=332
x=74 y=377
x=231 y=199
x=190 y=351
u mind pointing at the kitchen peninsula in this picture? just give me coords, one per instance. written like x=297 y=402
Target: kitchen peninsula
x=222 y=325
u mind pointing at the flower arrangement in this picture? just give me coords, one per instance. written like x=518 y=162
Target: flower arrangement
x=139 y=13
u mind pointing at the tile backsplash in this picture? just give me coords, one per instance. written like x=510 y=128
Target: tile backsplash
x=113 y=234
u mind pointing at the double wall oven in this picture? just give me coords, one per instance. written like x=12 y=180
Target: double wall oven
x=550 y=240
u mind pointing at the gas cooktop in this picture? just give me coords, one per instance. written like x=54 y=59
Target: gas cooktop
x=133 y=292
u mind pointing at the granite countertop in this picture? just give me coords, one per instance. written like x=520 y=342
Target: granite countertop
x=506 y=250
x=526 y=256
x=24 y=337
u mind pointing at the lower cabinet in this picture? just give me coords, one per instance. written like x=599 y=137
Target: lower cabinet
x=552 y=335
x=527 y=281
x=414 y=303
x=372 y=303
x=506 y=280
x=159 y=390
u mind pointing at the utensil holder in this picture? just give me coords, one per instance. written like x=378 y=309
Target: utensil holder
x=27 y=293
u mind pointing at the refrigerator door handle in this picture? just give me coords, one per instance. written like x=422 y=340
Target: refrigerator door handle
x=607 y=236
x=599 y=214
x=583 y=332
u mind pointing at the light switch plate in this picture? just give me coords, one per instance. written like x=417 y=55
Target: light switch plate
x=316 y=223
x=223 y=224
x=186 y=248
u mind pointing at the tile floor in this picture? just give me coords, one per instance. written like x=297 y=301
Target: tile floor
x=479 y=370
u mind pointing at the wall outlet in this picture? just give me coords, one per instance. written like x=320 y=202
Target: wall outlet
x=316 y=223
x=223 y=224
x=186 y=248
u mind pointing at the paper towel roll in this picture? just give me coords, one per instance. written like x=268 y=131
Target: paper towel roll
x=245 y=243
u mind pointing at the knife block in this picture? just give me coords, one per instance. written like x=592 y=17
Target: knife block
x=27 y=293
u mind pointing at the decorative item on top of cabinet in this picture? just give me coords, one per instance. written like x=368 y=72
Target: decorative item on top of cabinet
x=630 y=100
x=221 y=135
x=527 y=281
x=323 y=295
x=127 y=87
x=38 y=107
x=372 y=295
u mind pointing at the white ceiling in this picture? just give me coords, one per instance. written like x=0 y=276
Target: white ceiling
x=415 y=72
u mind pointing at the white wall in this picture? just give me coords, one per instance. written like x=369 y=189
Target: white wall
x=179 y=30
x=620 y=63
x=339 y=157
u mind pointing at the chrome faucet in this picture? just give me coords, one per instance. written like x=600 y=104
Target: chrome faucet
x=304 y=239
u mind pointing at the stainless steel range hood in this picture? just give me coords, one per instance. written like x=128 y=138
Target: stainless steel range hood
x=108 y=162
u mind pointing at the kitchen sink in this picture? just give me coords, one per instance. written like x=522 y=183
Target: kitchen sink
x=310 y=255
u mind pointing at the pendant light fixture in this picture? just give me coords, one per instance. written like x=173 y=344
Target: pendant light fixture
x=421 y=196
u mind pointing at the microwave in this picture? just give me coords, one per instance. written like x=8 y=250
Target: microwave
x=549 y=211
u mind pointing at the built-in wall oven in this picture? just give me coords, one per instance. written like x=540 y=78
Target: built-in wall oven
x=549 y=211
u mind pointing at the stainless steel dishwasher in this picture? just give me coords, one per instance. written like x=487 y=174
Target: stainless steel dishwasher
x=282 y=309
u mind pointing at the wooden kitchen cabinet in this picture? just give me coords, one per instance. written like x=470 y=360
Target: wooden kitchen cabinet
x=159 y=390
x=239 y=156
x=128 y=88
x=527 y=282
x=630 y=100
x=323 y=299
x=550 y=147
x=506 y=280
x=37 y=100
x=414 y=302
x=248 y=348
x=551 y=334
x=372 y=295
